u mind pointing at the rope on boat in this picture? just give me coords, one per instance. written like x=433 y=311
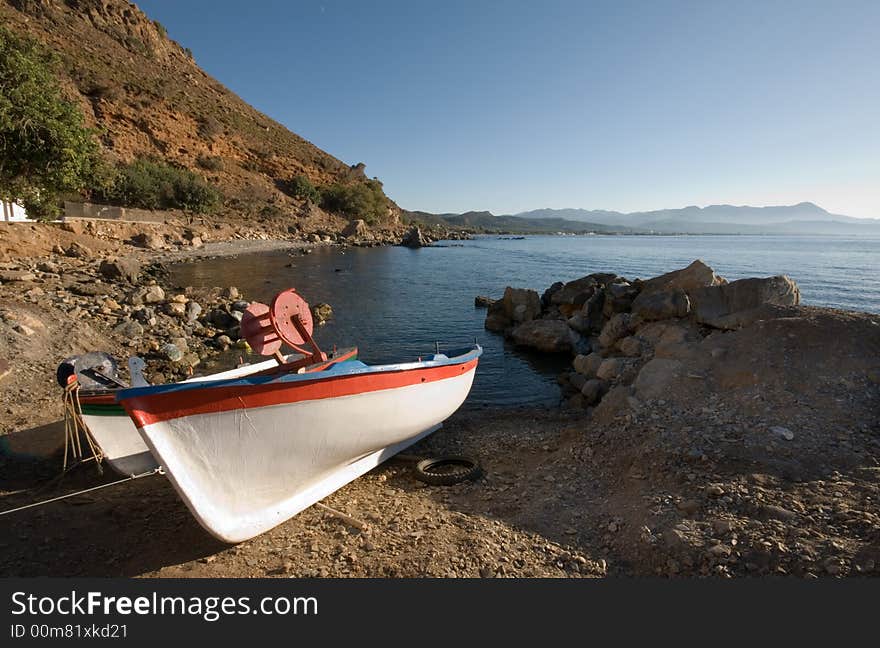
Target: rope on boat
x=75 y=429
x=155 y=471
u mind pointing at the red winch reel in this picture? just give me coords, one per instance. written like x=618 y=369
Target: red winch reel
x=289 y=320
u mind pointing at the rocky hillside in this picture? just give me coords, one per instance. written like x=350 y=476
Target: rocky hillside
x=147 y=97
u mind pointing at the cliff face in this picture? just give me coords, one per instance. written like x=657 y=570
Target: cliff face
x=146 y=96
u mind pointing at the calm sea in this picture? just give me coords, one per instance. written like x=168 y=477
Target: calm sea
x=395 y=303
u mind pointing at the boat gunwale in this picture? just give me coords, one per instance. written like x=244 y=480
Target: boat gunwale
x=338 y=371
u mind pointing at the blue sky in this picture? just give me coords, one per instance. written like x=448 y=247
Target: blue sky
x=511 y=106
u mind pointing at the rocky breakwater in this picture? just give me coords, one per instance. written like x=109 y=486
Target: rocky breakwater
x=628 y=338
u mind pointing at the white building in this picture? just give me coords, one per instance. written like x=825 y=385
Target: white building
x=13 y=212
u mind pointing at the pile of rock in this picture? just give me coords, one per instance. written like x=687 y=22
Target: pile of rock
x=174 y=332
x=633 y=334
x=415 y=238
x=422 y=236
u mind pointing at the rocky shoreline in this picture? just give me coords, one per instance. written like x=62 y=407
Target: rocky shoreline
x=712 y=429
x=629 y=338
x=760 y=415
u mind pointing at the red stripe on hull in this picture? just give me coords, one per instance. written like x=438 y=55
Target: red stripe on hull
x=146 y=410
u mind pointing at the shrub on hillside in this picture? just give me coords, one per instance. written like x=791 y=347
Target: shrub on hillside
x=364 y=200
x=302 y=187
x=271 y=212
x=210 y=162
x=150 y=184
x=209 y=127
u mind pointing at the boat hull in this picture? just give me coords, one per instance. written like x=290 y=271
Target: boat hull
x=245 y=458
x=122 y=446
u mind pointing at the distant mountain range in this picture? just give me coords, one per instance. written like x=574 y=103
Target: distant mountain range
x=803 y=218
x=514 y=224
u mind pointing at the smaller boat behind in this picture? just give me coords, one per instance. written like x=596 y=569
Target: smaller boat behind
x=247 y=453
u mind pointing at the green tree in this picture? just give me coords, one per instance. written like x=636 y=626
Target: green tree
x=364 y=200
x=151 y=184
x=302 y=187
x=45 y=148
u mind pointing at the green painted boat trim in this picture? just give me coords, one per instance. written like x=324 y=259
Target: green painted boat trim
x=103 y=410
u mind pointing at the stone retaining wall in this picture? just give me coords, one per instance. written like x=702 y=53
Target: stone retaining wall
x=75 y=211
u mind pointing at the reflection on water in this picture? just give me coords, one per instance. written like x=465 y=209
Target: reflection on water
x=395 y=303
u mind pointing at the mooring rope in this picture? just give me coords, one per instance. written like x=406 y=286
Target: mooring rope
x=83 y=492
x=75 y=429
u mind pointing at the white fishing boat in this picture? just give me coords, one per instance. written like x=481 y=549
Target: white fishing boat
x=118 y=440
x=247 y=453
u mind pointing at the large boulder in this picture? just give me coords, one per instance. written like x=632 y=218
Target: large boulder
x=616 y=328
x=521 y=304
x=149 y=241
x=125 y=269
x=616 y=403
x=593 y=311
x=171 y=352
x=696 y=275
x=415 y=238
x=129 y=330
x=481 y=301
x=677 y=342
x=573 y=295
x=551 y=336
x=587 y=365
x=147 y=295
x=744 y=318
x=547 y=296
x=78 y=251
x=579 y=323
x=660 y=305
x=655 y=376
x=632 y=346
x=617 y=369
x=575 y=292
x=356 y=229
x=589 y=318
x=8 y=276
x=619 y=298
x=592 y=390
x=193 y=310
x=496 y=317
x=221 y=318
x=576 y=381
x=715 y=305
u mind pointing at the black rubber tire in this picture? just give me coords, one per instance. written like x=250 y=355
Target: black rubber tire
x=448 y=470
